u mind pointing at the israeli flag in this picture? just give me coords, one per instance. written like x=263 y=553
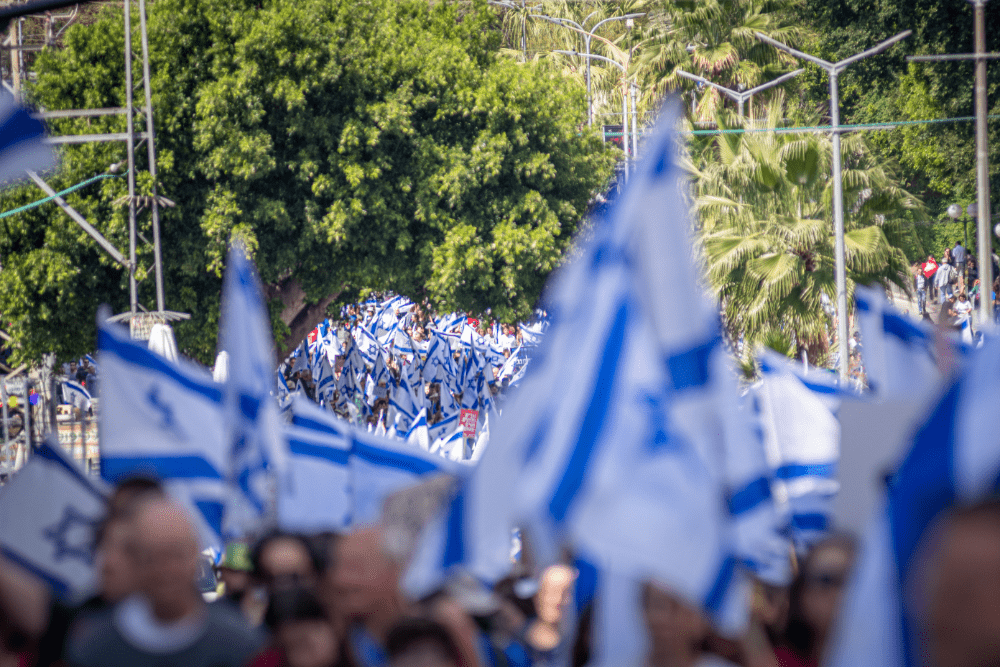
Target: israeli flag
x=444 y=426
x=49 y=512
x=531 y=334
x=325 y=381
x=901 y=356
x=619 y=442
x=380 y=467
x=22 y=141
x=403 y=404
x=368 y=346
x=418 y=435
x=253 y=421
x=76 y=395
x=954 y=460
x=451 y=446
x=802 y=441
x=164 y=420
x=316 y=494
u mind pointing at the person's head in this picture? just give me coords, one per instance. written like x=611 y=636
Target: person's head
x=302 y=631
x=283 y=559
x=167 y=557
x=113 y=543
x=816 y=592
x=419 y=642
x=963 y=297
x=961 y=580
x=930 y=258
x=363 y=579
x=677 y=631
x=235 y=570
x=554 y=587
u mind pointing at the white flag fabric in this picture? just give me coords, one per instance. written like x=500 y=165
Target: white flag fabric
x=252 y=416
x=954 y=460
x=802 y=441
x=381 y=466
x=21 y=141
x=418 y=434
x=451 y=447
x=315 y=494
x=76 y=395
x=163 y=420
x=49 y=511
x=901 y=356
x=618 y=441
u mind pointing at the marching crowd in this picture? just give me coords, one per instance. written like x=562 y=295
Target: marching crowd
x=953 y=283
x=329 y=600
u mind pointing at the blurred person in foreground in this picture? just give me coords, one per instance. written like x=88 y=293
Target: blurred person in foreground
x=677 y=631
x=361 y=592
x=958 y=590
x=418 y=642
x=31 y=615
x=166 y=621
x=814 y=600
x=304 y=635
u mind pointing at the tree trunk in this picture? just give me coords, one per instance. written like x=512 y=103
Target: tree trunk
x=297 y=313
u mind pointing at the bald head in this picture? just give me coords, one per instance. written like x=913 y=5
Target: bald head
x=364 y=577
x=166 y=546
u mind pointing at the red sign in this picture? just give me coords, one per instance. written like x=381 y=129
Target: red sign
x=468 y=420
x=473 y=322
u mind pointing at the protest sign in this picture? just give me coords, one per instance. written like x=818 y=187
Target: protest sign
x=468 y=419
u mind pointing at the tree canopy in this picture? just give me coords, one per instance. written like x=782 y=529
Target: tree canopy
x=353 y=146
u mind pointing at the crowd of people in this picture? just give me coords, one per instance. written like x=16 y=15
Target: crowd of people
x=331 y=600
x=953 y=283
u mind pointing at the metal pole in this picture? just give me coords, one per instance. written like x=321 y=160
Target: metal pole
x=840 y=268
x=833 y=70
x=982 y=168
x=6 y=415
x=590 y=99
x=635 y=122
x=150 y=144
x=27 y=418
x=133 y=288
x=625 y=124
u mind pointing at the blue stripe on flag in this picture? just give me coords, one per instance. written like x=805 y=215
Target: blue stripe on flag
x=690 y=369
x=921 y=488
x=593 y=419
x=332 y=454
x=750 y=496
x=812 y=521
x=717 y=594
x=793 y=470
x=46 y=451
x=211 y=510
x=19 y=127
x=116 y=468
x=902 y=329
x=392 y=459
x=313 y=425
x=454 y=546
x=133 y=354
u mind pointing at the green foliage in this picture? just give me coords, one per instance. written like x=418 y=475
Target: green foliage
x=764 y=205
x=366 y=145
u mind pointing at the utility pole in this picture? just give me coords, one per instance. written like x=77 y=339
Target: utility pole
x=625 y=95
x=833 y=71
x=983 y=238
x=588 y=35
x=740 y=97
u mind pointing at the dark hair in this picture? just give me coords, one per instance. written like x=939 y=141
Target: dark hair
x=411 y=631
x=126 y=497
x=799 y=635
x=317 y=558
x=292 y=604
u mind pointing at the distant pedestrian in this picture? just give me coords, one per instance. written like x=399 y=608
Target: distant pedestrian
x=929 y=268
x=942 y=281
x=920 y=283
x=959 y=256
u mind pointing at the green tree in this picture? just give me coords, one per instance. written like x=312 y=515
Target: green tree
x=763 y=201
x=352 y=146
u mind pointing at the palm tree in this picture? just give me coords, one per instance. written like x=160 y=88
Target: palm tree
x=715 y=39
x=763 y=202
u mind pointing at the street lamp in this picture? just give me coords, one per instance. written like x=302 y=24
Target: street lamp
x=833 y=71
x=624 y=71
x=740 y=97
x=587 y=36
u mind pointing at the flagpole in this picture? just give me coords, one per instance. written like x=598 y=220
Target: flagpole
x=982 y=167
